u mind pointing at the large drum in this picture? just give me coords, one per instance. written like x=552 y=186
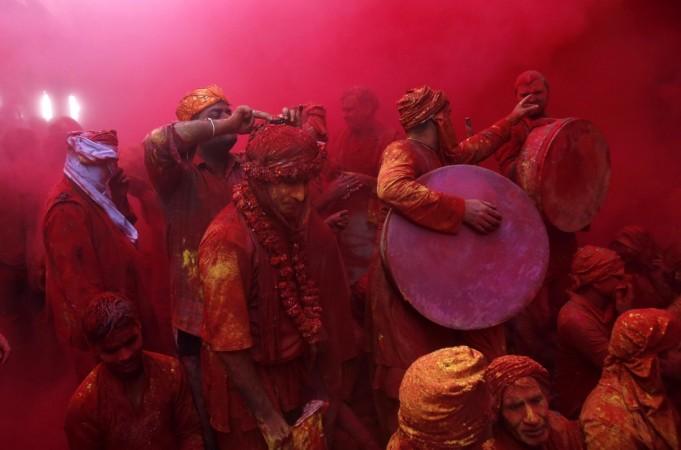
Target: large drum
x=468 y=280
x=565 y=167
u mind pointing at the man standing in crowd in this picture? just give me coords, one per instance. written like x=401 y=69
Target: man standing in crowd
x=400 y=334
x=277 y=304
x=600 y=290
x=90 y=237
x=191 y=168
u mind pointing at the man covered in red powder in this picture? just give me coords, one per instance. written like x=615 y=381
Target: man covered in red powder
x=400 y=334
x=638 y=250
x=629 y=409
x=89 y=238
x=359 y=146
x=520 y=401
x=191 y=168
x=132 y=400
x=600 y=289
x=276 y=301
x=533 y=331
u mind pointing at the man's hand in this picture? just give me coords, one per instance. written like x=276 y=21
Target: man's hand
x=243 y=118
x=338 y=220
x=275 y=431
x=482 y=216
x=521 y=110
x=5 y=349
x=293 y=115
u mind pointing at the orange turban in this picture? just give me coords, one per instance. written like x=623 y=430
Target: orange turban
x=198 y=100
x=420 y=104
x=592 y=264
x=444 y=402
x=506 y=370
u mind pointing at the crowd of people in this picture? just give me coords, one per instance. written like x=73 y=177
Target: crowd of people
x=214 y=300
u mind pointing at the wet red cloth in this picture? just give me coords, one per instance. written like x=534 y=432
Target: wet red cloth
x=629 y=409
x=243 y=311
x=399 y=333
x=101 y=416
x=583 y=337
x=86 y=253
x=352 y=151
x=191 y=194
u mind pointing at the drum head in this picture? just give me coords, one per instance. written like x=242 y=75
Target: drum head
x=468 y=280
x=575 y=173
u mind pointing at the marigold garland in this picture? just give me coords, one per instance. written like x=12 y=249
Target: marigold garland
x=299 y=295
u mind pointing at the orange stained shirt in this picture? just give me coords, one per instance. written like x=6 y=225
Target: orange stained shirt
x=406 y=160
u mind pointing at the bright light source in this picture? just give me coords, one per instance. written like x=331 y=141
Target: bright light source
x=46 y=110
x=74 y=108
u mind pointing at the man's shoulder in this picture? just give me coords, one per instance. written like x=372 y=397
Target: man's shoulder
x=400 y=145
x=167 y=365
x=227 y=227
x=158 y=136
x=86 y=395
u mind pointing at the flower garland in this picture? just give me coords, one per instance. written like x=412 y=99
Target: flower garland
x=299 y=295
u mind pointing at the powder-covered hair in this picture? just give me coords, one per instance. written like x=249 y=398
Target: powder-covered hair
x=107 y=312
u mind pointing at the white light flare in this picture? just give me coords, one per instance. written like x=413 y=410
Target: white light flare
x=74 y=108
x=46 y=110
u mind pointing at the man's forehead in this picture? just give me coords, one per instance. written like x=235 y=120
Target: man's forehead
x=533 y=84
x=119 y=336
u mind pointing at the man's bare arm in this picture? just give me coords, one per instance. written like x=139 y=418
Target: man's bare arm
x=194 y=132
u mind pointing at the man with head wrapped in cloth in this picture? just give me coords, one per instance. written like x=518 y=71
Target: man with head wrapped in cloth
x=400 y=334
x=600 y=291
x=90 y=239
x=520 y=400
x=276 y=298
x=629 y=409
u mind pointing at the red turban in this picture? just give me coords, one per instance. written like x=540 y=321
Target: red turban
x=636 y=240
x=643 y=332
x=444 y=402
x=592 y=264
x=198 y=100
x=420 y=104
x=106 y=137
x=506 y=370
x=282 y=153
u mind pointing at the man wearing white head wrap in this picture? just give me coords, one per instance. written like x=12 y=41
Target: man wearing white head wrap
x=89 y=241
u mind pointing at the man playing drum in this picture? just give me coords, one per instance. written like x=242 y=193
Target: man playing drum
x=531 y=327
x=400 y=334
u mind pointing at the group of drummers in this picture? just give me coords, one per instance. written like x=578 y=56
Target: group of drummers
x=355 y=291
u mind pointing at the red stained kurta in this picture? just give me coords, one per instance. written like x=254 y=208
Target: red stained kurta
x=192 y=194
x=243 y=311
x=563 y=435
x=583 y=337
x=85 y=254
x=400 y=334
x=100 y=415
